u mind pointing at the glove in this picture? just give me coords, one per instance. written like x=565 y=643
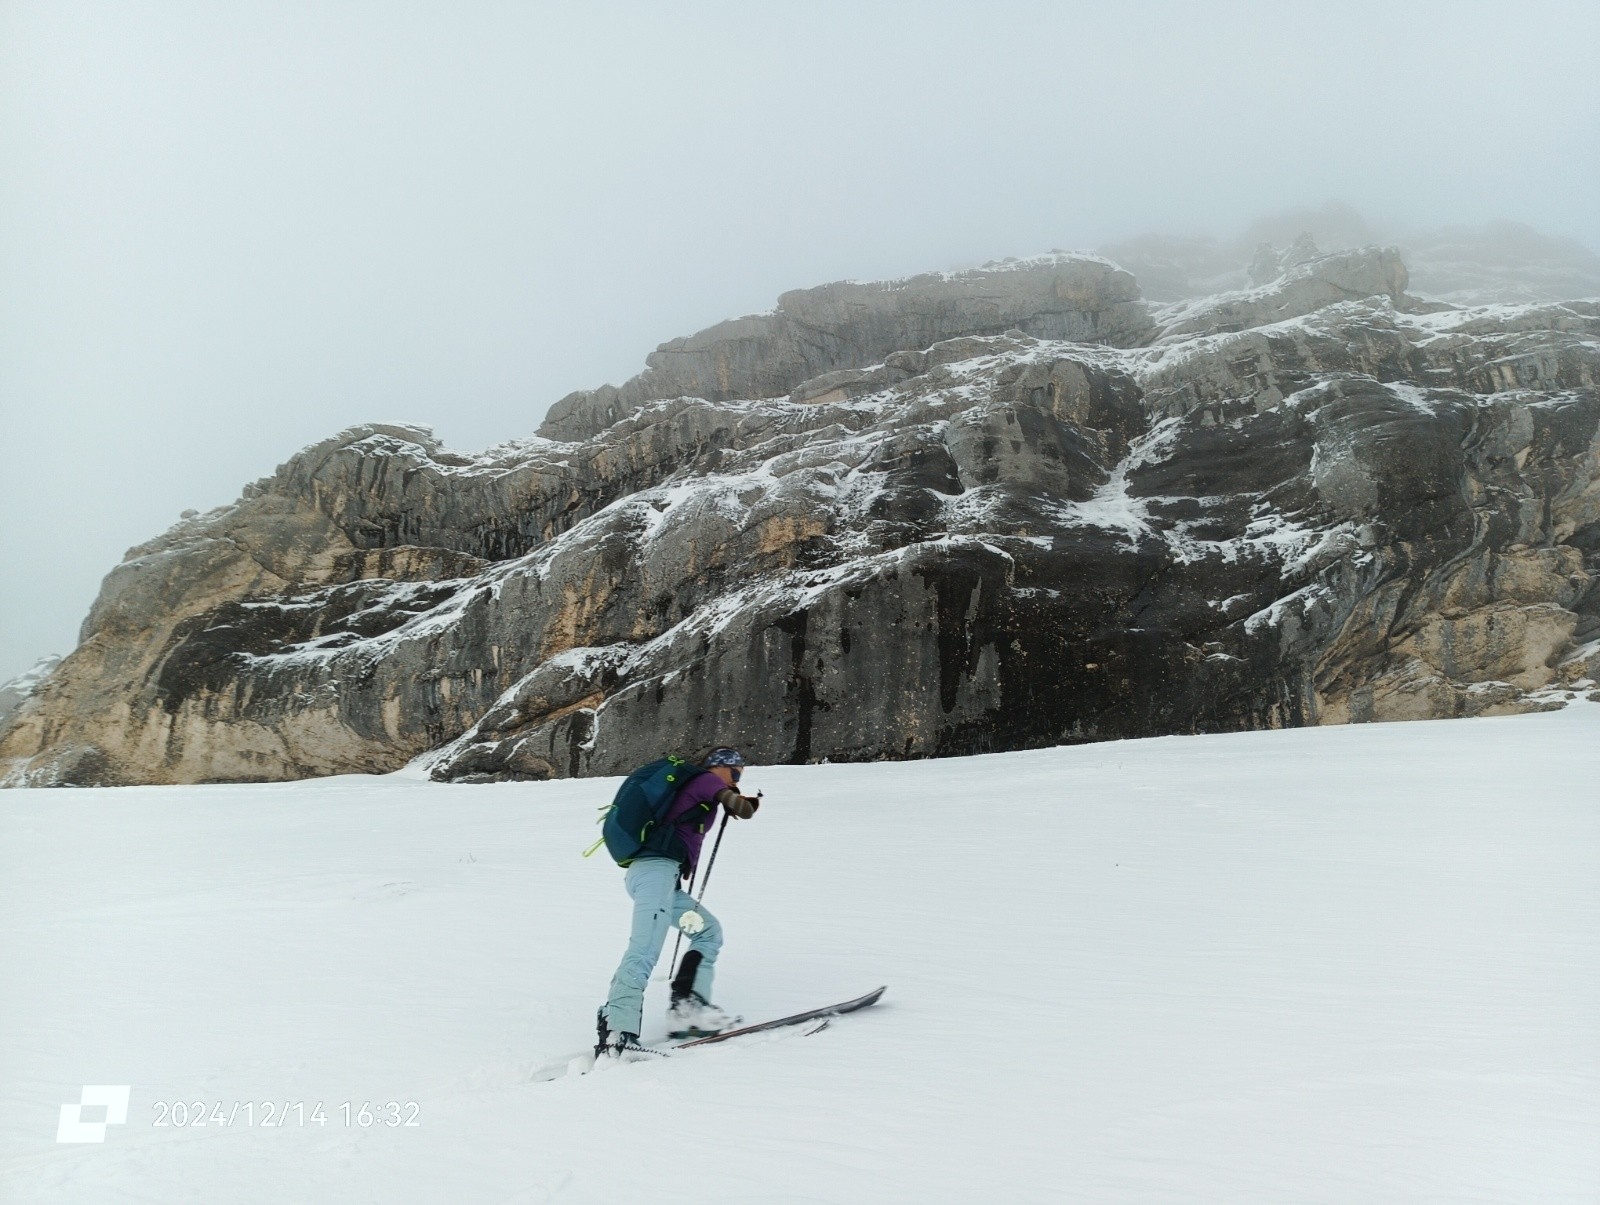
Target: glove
x=741 y=807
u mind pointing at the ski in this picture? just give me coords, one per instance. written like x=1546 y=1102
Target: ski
x=581 y=1064
x=815 y=1014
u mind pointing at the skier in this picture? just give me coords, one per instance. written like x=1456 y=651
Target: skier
x=659 y=903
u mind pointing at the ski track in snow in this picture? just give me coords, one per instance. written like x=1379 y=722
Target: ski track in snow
x=1354 y=964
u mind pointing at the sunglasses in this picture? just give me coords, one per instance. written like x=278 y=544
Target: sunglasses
x=737 y=771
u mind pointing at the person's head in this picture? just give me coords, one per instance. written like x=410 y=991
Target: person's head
x=727 y=764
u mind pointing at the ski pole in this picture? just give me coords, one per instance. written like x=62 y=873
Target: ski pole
x=716 y=845
x=705 y=880
x=672 y=966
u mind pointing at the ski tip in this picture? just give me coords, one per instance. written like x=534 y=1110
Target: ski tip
x=869 y=999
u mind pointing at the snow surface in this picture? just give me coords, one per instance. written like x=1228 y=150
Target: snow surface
x=1340 y=964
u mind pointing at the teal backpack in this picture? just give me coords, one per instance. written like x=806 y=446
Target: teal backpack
x=631 y=825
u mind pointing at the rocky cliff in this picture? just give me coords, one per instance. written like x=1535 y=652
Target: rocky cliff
x=989 y=510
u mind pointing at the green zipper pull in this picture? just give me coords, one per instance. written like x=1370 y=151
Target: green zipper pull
x=594 y=847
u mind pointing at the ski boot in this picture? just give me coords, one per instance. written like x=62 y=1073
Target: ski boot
x=615 y=1046
x=693 y=1016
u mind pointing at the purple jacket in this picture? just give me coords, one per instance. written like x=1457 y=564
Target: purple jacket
x=693 y=812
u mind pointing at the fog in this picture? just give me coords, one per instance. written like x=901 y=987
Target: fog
x=229 y=230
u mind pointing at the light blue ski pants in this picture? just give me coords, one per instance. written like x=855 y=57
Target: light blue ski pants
x=658 y=905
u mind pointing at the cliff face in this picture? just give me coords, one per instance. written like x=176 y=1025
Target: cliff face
x=994 y=510
x=815 y=332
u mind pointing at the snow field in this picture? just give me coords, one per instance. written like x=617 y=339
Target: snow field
x=1343 y=964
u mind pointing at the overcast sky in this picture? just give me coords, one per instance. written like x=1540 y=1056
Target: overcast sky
x=230 y=229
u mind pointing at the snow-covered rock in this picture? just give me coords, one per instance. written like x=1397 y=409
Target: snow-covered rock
x=991 y=510
x=19 y=690
x=810 y=332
